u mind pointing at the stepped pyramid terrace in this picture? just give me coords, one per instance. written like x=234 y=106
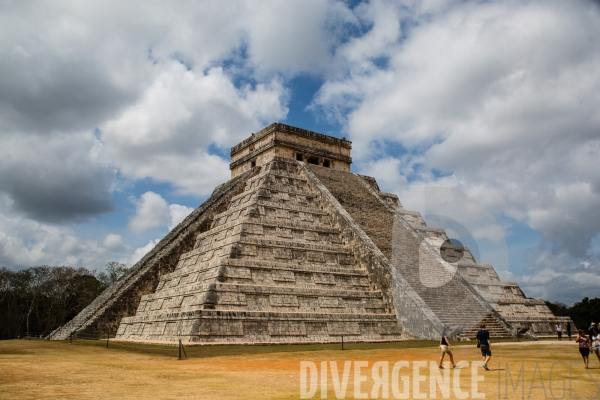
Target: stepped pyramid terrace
x=296 y=248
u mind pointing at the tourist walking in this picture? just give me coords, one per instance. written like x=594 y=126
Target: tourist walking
x=584 y=347
x=569 y=330
x=559 y=331
x=446 y=348
x=595 y=340
x=484 y=344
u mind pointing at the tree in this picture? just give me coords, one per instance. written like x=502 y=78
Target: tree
x=558 y=309
x=5 y=277
x=41 y=299
x=114 y=272
x=585 y=312
x=582 y=313
x=34 y=286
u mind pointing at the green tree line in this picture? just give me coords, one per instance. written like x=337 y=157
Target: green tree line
x=40 y=299
x=582 y=313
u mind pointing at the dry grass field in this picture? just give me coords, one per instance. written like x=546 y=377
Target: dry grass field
x=39 y=369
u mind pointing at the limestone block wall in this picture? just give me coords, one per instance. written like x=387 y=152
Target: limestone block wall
x=483 y=277
x=291 y=143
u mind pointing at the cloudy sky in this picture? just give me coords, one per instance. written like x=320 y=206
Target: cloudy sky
x=116 y=119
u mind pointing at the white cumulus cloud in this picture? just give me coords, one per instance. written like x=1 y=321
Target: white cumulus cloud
x=499 y=100
x=153 y=211
x=114 y=242
x=166 y=135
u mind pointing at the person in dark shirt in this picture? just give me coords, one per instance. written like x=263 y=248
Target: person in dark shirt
x=484 y=344
x=569 y=330
x=446 y=349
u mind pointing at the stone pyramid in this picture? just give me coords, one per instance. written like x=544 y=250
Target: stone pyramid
x=296 y=248
x=273 y=266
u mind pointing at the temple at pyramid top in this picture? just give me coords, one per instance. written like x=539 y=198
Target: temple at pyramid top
x=280 y=140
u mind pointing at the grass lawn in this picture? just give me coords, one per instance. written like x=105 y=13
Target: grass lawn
x=87 y=370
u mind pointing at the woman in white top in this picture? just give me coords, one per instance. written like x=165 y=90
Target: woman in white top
x=595 y=340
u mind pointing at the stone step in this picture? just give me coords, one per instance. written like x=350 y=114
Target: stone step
x=260 y=178
x=305 y=291
x=296 y=224
x=272 y=249
x=267 y=315
x=236 y=212
x=232 y=233
x=496 y=329
x=273 y=187
x=225 y=301
x=244 y=269
x=291 y=244
x=219 y=329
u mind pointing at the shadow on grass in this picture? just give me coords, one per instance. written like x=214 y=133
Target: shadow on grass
x=208 y=351
x=221 y=350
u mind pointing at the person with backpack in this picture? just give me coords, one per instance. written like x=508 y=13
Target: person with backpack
x=584 y=347
x=559 y=331
x=569 y=330
x=446 y=349
x=483 y=343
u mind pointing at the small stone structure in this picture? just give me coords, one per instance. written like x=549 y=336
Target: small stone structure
x=279 y=140
x=295 y=248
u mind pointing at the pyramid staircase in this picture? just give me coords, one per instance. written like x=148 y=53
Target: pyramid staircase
x=495 y=328
x=454 y=301
x=274 y=267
